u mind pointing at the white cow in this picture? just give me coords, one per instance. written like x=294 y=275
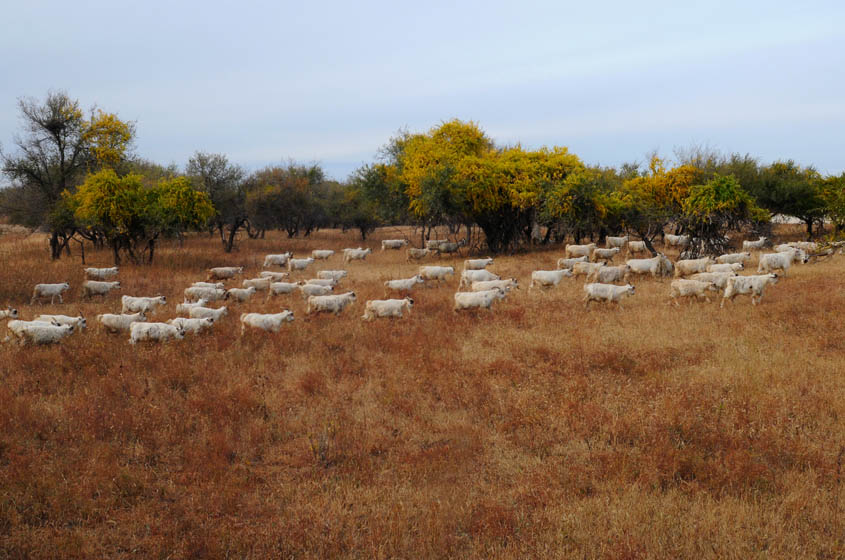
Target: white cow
x=38 y=332
x=548 y=278
x=51 y=291
x=322 y=281
x=635 y=247
x=315 y=290
x=387 y=308
x=585 y=268
x=274 y=276
x=691 y=289
x=691 y=266
x=393 y=244
x=205 y=312
x=477 y=264
x=321 y=254
x=754 y=245
x=470 y=276
x=242 y=294
x=115 y=323
x=155 y=332
x=605 y=255
x=196 y=293
x=619 y=242
x=186 y=306
x=224 y=272
x=718 y=279
x=404 y=284
x=101 y=273
x=745 y=285
x=677 y=240
x=434 y=244
x=609 y=274
x=771 y=262
x=92 y=288
x=215 y=285
x=144 y=305
x=279 y=288
x=260 y=284
x=506 y=284
x=655 y=266
x=271 y=322
x=358 y=254
x=414 y=254
x=299 y=264
x=606 y=292
x=8 y=313
x=329 y=304
x=335 y=275
x=277 y=259
x=77 y=323
x=439 y=273
x=477 y=300
x=570 y=263
x=732 y=268
x=192 y=326
x=580 y=250
x=732 y=258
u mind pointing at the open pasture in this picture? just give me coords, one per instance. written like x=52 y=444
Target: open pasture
x=536 y=430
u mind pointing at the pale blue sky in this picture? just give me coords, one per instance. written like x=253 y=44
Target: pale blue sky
x=331 y=82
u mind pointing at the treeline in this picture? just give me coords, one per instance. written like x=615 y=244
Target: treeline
x=78 y=178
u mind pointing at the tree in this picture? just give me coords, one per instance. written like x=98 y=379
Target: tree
x=131 y=216
x=649 y=202
x=787 y=188
x=833 y=195
x=291 y=197
x=59 y=146
x=224 y=184
x=713 y=209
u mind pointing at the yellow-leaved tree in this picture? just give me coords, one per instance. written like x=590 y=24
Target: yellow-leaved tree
x=131 y=216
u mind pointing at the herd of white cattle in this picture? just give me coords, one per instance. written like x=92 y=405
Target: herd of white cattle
x=478 y=287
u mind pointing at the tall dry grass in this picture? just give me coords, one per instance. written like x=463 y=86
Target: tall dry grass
x=537 y=430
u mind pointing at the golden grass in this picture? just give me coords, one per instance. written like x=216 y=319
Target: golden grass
x=537 y=430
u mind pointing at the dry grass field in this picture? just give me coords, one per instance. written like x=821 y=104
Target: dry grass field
x=539 y=430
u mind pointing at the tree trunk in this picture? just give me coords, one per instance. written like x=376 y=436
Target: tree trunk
x=230 y=242
x=116 y=252
x=152 y=247
x=55 y=251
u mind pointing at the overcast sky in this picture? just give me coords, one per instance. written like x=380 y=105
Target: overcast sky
x=330 y=82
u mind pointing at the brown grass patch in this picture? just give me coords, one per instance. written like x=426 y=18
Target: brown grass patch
x=536 y=430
